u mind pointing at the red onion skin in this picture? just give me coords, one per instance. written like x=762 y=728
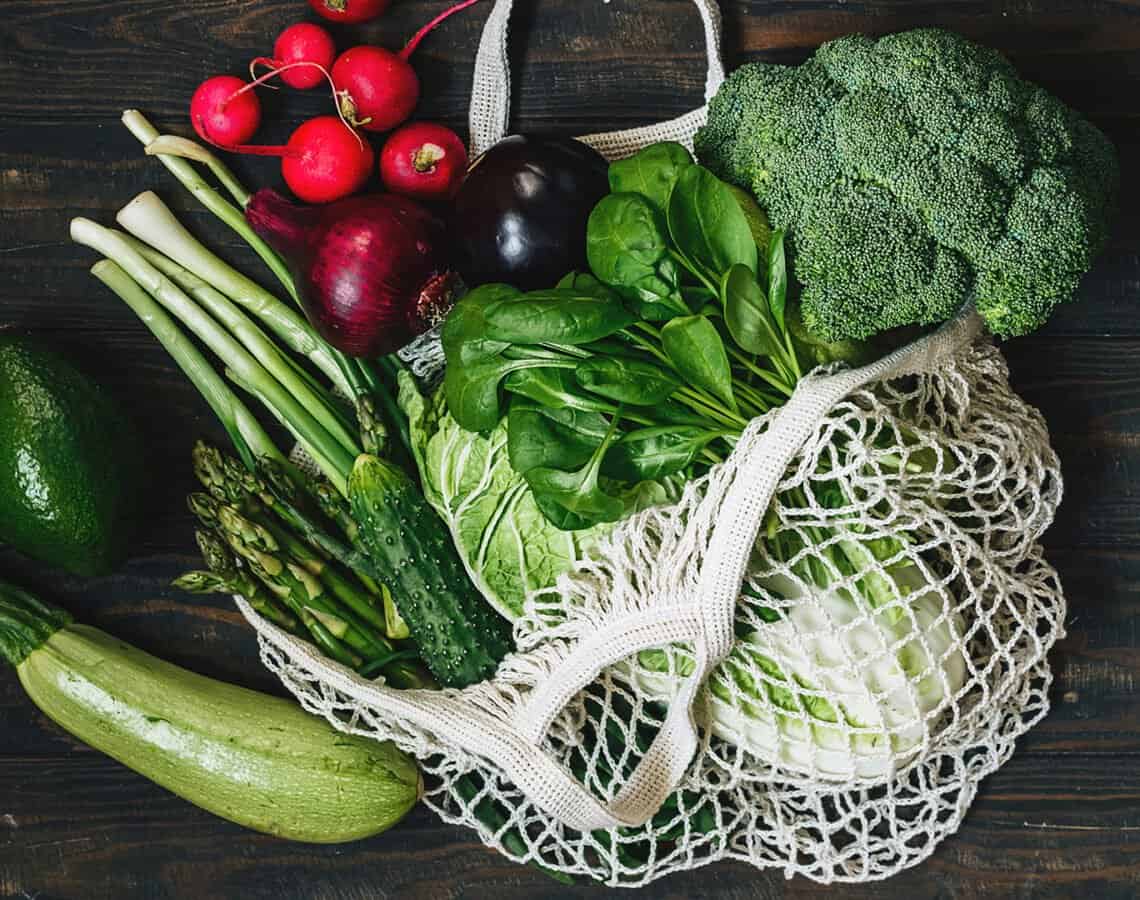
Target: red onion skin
x=370 y=270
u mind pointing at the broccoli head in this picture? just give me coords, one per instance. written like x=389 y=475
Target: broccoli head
x=912 y=173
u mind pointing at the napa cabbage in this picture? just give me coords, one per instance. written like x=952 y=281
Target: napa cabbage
x=507 y=545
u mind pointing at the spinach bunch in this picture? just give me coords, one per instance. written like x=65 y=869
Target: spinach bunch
x=648 y=366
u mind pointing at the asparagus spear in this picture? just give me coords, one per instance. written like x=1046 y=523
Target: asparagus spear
x=332 y=628
x=224 y=577
x=290 y=580
x=282 y=495
x=227 y=480
x=199 y=582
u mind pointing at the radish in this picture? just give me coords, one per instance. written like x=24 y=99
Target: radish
x=423 y=160
x=323 y=160
x=301 y=43
x=378 y=89
x=225 y=111
x=349 y=10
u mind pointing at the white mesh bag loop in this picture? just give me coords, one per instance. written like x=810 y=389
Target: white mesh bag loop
x=489 y=119
x=808 y=662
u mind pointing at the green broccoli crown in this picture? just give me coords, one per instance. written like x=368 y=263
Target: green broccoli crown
x=913 y=172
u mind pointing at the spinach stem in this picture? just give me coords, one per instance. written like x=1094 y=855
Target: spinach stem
x=702 y=403
x=774 y=380
x=695 y=271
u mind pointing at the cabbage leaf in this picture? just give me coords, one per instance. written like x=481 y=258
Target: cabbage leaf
x=507 y=545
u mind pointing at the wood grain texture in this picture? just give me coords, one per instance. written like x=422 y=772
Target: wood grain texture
x=1061 y=820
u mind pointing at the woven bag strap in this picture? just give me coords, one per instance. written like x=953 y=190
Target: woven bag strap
x=490 y=113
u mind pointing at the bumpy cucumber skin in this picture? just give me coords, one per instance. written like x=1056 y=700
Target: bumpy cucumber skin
x=256 y=760
x=459 y=636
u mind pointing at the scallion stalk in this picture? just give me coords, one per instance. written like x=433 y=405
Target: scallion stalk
x=138 y=125
x=151 y=221
x=216 y=304
x=250 y=439
x=337 y=461
x=174 y=152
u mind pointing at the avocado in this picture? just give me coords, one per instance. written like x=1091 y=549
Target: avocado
x=67 y=462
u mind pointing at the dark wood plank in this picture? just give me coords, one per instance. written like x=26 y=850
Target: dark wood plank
x=1032 y=830
x=1059 y=821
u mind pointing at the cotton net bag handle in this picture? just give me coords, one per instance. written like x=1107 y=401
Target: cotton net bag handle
x=490 y=114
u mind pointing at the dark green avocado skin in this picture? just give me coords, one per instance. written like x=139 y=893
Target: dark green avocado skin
x=67 y=462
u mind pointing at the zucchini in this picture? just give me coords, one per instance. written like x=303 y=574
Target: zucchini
x=256 y=760
x=459 y=636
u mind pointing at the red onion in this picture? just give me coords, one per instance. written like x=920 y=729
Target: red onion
x=370 y=270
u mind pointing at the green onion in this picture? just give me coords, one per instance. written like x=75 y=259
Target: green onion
x=244 y=430
x=279 y=397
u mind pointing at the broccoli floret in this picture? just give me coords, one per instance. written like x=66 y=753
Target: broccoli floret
x=909 y=278
x=912 y=173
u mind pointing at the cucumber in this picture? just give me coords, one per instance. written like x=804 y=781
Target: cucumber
x=256 y=760
x=459 y=636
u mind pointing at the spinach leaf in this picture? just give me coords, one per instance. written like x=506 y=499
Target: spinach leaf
x=623 y=238
x=626 y=380
x=746 y=311
x=557 y=315
x=696 y=296
x=584 y=282
x=756 y=218
x=628 y=249
x=648 y=454
x=707 y=224
x=651 y=172
x=558 y=438
x=777 y=278
x=463 y=334
x=554 y=388
x=669 y=412
x=472 y=389
x=697 y=352
x=575 y=499
x=657 y=297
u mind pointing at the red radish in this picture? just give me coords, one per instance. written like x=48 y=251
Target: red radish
x=225 y=111
x=378 y=89
x=423 y=160
x=349 y=10
x=324 y=160
x=371 y=271
x=301 y=43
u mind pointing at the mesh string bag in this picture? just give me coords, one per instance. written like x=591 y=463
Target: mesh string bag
x=808 y=662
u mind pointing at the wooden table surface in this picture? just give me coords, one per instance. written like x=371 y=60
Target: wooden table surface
x=1061 y=819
